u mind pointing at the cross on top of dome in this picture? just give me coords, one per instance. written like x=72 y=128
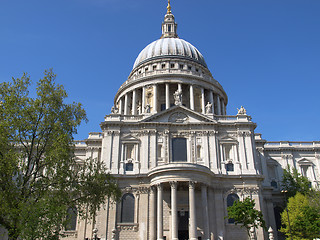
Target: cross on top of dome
x=168 y=7
x=169 y=26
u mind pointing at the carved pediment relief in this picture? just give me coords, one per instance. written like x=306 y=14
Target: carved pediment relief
x=178 y=117
x=179 y=114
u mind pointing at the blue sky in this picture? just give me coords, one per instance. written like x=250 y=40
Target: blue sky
x=265 y=53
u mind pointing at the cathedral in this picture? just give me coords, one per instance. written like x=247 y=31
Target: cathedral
x=179 y=159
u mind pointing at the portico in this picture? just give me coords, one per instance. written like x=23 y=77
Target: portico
x=182 y=189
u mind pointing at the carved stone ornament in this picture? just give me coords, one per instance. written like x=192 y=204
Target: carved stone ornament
x=129 y=227
x=209 y=108
x=177 y=97
x=178 y=117
x=242 y=111
x=143 y=190
x=114 y=110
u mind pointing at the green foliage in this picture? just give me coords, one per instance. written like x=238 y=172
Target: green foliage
x=39 y=177
x=293 y=182
x=304 y=218
x=243 y=212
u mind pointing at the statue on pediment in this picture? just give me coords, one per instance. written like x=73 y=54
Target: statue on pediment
x=147 y=108
x=242 y=111
x=114 y=110
x=209 y=108
x=177 y=97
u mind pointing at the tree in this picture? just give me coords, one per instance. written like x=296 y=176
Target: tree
x=304 y=218
x=243 y=212
x=293 y=182
x=39 y=177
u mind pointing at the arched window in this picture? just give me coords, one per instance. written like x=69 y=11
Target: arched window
x=127 y=208
x=230 y=200
x=199 y=151
x=71 y=220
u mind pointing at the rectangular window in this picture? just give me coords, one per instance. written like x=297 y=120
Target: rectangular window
x=179 y=150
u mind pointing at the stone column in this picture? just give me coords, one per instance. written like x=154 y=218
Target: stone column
x=155 y=98
x=192 y=212
x=223 y=105
x=134 y=102
x=174 y=212
x=160 y=213
x=143 y=99
x=211 y=100
x=218 y=105
x=191 y=98
x=167 y=95
x=152 y=213
x=203 y=103
x=126 y=104
x=179 y=87
x=205 y=211
x=120 y=106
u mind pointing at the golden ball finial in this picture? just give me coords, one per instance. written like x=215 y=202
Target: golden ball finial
x=169 y=7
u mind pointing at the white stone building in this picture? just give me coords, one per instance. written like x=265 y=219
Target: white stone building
x=178 y=158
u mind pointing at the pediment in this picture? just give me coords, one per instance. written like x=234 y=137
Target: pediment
x=304 y=161
x=179 y=114
x=227 y=138
x=129 y=138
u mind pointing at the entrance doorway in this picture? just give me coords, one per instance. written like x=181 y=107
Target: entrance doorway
x=183 y=225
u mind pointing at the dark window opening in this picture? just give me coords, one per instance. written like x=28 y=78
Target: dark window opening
x=169 y=28
x=230 y=167
x=146 y=69
x=163 y=107
x=277 y=215
x=129 y=167
x=181 y=66
x=274 y=184
x=172 y=65
x=163 y=66
x=127 y=208
x=71 y=220
x=154 y=67
x=230 y=201
x=189 y=68
x=179 y=150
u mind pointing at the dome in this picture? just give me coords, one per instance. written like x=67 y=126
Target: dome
x=170 y=47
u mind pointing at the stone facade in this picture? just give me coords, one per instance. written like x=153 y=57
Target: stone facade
x=179 y=159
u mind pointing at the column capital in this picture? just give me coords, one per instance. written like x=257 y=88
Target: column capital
x=159 y=186
x=152 y=189
x=173 y=184
x=192 y=184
